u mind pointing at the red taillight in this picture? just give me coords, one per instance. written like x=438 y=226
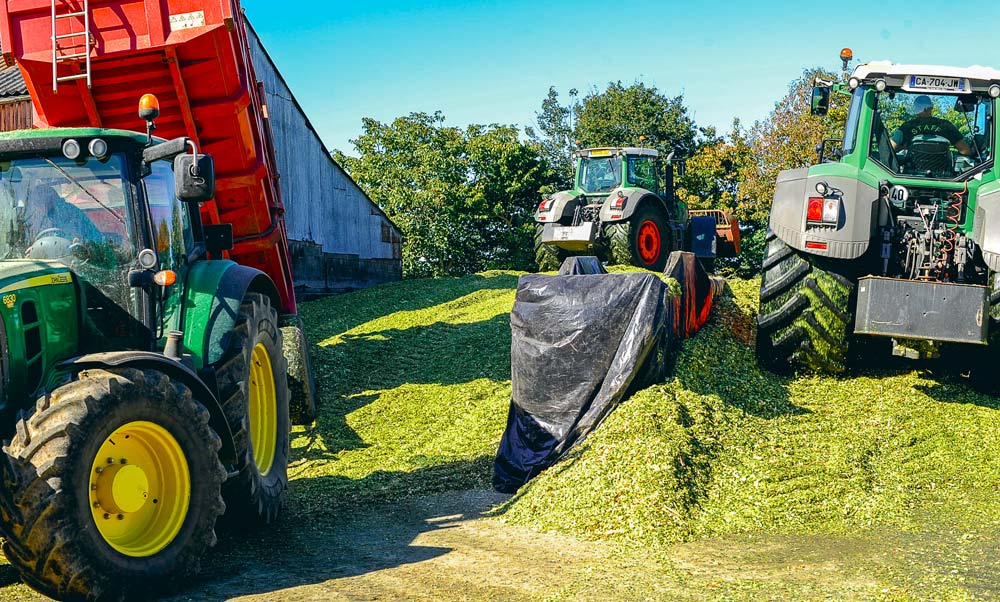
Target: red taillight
x=814 y=213
x=819 y=246
x=619 y=203
x=545 y=205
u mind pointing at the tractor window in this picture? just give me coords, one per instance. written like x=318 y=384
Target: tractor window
x=853 y=118
x=939 y=136
x=76 y=213
x=169 y=219
x=600 y=174
x=642 y=173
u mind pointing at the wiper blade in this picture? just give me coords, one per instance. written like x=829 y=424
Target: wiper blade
x=84 y=189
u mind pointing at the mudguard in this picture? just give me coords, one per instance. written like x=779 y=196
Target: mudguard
x=147 y=360
x=849 y=239
x=563 y=206
x=212 y=295
x=986 y=230
x=634 y=198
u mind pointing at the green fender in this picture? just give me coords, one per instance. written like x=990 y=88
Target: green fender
x=213 y=291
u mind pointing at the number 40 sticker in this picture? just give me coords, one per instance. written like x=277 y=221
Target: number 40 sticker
x=898 y=195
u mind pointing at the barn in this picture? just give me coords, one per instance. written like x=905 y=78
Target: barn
x=340 y=239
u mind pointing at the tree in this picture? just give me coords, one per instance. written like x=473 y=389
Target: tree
x=554 y=136
x=636 y=115
x=463 y=199
x=787 y=139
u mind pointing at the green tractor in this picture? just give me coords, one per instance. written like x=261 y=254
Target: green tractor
x=144 y=386
x=622 y=208
x=893 y=240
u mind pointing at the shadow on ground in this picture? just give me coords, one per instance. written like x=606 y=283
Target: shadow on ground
x=308 y=548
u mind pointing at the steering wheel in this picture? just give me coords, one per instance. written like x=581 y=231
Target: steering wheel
x=55 y=243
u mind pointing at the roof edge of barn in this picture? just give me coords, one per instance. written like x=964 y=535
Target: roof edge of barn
x=312 y=128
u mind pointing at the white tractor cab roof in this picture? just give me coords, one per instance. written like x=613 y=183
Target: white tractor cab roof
x=609 y=152
x=930 y=79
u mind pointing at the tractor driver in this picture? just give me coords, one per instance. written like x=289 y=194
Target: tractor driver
x=46 y=210
x=924 y=123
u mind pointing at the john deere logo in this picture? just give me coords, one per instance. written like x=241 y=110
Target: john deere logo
x=9 y=301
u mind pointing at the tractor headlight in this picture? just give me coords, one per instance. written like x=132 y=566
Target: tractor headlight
x=71 y=149
x=98 y=149
x=994 y=91
x=822 y=188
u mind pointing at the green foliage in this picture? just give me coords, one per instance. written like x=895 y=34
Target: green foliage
x=554 y=137
x=464 y=199
x=635 y=115
x=787 y=139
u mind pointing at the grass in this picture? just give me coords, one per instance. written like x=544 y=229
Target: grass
x=415 y=384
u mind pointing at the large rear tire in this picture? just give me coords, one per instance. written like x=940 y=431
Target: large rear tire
x=548 y=258
x=111 y=487
x=806 y=319
x=253 y=388
x=983 y=361
x=301 y=384
x=644 y=241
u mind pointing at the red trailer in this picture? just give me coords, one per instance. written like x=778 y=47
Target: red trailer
x=87 y=63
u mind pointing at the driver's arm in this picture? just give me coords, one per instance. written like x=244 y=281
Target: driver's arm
x=896 y=141
x=963 y=147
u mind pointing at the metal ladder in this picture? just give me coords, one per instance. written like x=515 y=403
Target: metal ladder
x=87 y=44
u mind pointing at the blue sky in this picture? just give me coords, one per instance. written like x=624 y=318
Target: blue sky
x=493 y=61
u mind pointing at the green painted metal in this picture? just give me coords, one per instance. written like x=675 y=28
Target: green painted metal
x=40 y=313
x=202 y=303
x=62 y=133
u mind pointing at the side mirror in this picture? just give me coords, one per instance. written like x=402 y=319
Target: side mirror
x=194 y=178
x=966 y=103
x=820 y=100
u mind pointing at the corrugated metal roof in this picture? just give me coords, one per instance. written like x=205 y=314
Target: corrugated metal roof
x=11 y=83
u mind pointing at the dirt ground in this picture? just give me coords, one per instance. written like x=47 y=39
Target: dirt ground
x=446 y=547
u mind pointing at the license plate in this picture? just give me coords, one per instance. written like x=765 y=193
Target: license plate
x=936 y=84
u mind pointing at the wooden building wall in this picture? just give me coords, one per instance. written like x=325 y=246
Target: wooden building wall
x=340 y=238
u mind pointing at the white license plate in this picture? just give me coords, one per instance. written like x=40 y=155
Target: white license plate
x=936 y=84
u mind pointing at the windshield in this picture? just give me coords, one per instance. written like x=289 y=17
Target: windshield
x=75 y=212
x=600 y=174
x=939 y=136
x=54 y=208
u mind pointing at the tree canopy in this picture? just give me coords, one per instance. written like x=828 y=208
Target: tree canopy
x=463 y=198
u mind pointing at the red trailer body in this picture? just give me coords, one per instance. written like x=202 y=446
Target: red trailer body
x=194 y=56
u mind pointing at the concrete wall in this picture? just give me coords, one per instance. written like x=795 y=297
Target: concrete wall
x=341 y=240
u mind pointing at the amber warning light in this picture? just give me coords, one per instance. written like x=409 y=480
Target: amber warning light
x=846 y=55
x=149 y=107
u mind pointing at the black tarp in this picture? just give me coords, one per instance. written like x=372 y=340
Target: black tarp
x=580 y=343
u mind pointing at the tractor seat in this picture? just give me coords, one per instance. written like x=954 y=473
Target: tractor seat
x=931 y=156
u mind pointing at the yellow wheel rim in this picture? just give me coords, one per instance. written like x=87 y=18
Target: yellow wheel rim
x=263 y=409
x=140 y=489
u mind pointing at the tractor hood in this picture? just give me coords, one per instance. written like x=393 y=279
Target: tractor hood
x=40 y=324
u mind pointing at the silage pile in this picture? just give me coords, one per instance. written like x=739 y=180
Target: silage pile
x=724 y=448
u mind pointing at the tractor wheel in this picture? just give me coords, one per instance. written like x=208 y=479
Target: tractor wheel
x=805 y=318
x=253 y=389
x=111 y=487
x=301 y=384
x=644 y=241
x=983 y=361
x=548 y=258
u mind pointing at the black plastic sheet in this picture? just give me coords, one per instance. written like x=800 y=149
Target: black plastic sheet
x=580 y=344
